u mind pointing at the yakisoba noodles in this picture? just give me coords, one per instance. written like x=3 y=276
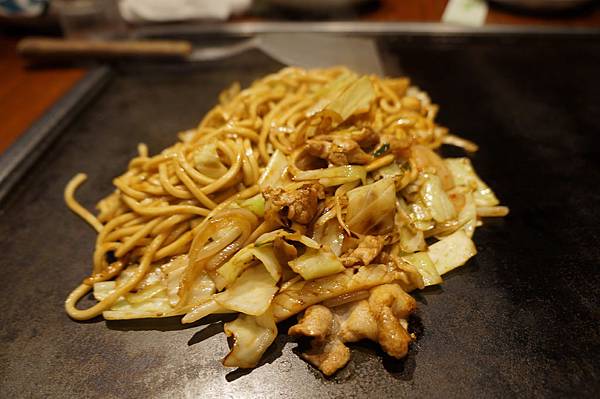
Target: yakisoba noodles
x=310 y=192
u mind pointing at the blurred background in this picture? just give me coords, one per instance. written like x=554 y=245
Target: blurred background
x=27 y=91
x=52 y=16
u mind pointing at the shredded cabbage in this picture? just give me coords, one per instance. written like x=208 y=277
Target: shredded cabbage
x=202 y=288
x=150 y=302
x=436 y=200
x=252 y=337
x=266 y=255
x=173 y=271
x=269 y=237
x=331 y=91
x=464 y=175
x=145 y=294
x=316 y=263
x=153 y=307
x=103 y=289
x=235 y=266
x=156 y=295
x=411 y=240
x=208 y=162
x=275 y=174
x=334 y=176
x=370 y=205
x=452 y=251
x=251 y=293
x=332 y=237
x=424 y=265
x=420 y=216
x=391 y=170
x=467 y=218
x=203 y=309
x=255 y=205
x=354 y=100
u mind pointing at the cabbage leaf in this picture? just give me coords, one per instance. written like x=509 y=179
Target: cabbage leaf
x=330 y=91
x=252 y=337
x=424 y=265
x=464 y=175
x=251 y=293
x=316 y=263
x=371 y=205
x=356 y=99
x=452 y=251
x=275 y=174
x=436 y=200
x=266 y=255
x=235 y=266
x=334 y=176
x=208 y=162
x=269 y=237
x=255 y=205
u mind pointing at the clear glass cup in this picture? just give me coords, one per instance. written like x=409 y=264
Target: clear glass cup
x=90 y=19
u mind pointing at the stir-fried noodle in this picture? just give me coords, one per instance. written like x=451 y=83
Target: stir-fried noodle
x=314 y=191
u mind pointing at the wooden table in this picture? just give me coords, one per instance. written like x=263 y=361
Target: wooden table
x=26 y=93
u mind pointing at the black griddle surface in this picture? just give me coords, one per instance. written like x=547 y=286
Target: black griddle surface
x=521 y=319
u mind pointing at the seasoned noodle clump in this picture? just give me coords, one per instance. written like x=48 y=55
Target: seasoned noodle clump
x=311 y=192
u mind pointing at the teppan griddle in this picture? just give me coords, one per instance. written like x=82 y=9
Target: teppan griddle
x=519 y=320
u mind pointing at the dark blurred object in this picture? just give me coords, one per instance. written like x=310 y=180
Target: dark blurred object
x=43 y=25
x=308 y=10
x=317 y=5
x=44 y=49
x=303 y=50
x=153 y=11
x=90 y=19
x=544 y=5
x=29 y=16
x=23 y=8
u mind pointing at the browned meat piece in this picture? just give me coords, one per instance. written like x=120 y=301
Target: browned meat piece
x=340 y=151
x=328 y=356
x=319 y=148
x=389 y=303
x=380 y=318
x=315 y=323
x=366 y=137
x=360 y=324
x=327 y=352
x=299 y=205
x=350 y=151
x=368 y=248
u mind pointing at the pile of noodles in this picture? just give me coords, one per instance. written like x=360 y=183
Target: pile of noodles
x=197 y=228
